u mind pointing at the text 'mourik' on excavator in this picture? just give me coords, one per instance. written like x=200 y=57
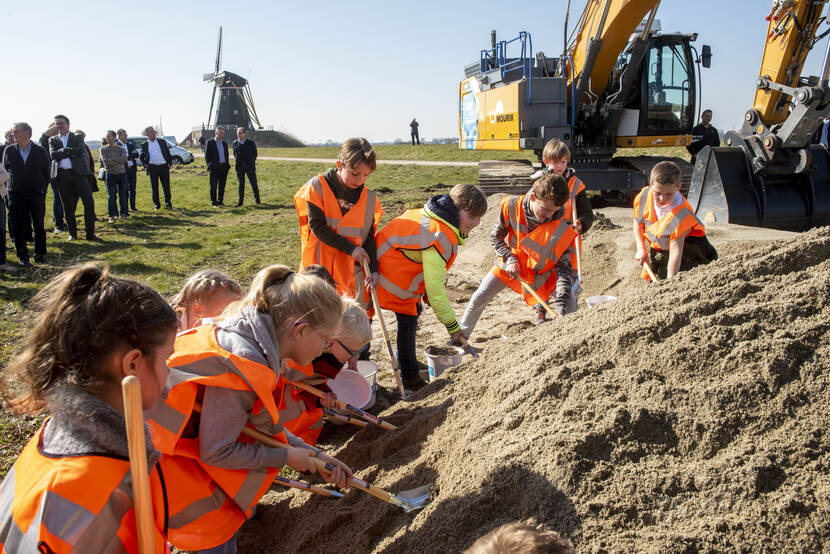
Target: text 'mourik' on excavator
x=621 y=83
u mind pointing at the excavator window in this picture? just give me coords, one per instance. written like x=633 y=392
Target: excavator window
x=668 y=98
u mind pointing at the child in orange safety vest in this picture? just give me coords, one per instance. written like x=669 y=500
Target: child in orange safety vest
x=203 y=297
x=667 y=233
x=415 y=250
x=301 y=411
x=223 y=378
x=533 y=243
x=71 y=489
x=555 y=157
x=338 y=217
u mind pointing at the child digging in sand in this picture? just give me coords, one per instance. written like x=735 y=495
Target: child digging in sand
x=667 y=233
x=532 y=242
x=203 y=297
x=415 y=250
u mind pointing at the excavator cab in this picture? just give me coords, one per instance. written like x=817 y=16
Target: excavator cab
x=660 y=109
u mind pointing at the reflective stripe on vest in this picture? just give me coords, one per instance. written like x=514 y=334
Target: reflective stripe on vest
x=88 y=523
x=425 y=238
x=661 y=233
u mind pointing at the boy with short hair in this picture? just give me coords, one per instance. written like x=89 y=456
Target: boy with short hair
x=522 y=537
x=555 y=156
x=414 y=251
x=533 y=243
x=667 y=233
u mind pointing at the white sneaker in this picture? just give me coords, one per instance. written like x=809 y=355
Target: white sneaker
x=8 y=268
x=112 y=220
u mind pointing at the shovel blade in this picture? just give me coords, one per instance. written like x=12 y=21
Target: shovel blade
x=414 y=499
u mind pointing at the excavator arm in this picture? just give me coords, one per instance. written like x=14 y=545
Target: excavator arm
x=769 y=175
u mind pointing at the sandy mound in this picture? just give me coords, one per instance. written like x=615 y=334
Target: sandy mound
x=688 y=416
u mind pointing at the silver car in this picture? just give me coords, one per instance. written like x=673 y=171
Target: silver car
x=179 y=154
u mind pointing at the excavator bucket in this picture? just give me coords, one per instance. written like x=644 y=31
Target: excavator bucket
x=725 y=189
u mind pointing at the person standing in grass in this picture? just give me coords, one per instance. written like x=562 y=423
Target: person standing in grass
x=245 y=153
x=131 y=150
x=114 y=161
x=218 y=165
x=338 y=217
x=155 y=155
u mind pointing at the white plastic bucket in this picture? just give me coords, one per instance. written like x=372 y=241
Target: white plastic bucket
x=599 y=299
x=369 y=371
x=351 y=387
x=437 y=363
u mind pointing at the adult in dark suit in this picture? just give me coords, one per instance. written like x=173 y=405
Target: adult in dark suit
x=132 y=156
x=155 y=155
x=71 y=169
x=244 y=152
x=28 y=167
x=216 y=158
x=57 y=205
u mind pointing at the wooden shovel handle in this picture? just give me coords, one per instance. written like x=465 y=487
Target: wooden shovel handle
x=321 y=465
x=134 y=418
x=538 y=298
x=577 y=241
x=343 y=406
x=650 y=272
x=383 y=330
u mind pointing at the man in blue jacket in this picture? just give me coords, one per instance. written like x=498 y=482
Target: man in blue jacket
x=132 y=155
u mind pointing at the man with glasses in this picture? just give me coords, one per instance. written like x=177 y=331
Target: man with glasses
x=70 y=166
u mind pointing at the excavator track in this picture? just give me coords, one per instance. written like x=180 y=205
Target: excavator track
x=507 y=176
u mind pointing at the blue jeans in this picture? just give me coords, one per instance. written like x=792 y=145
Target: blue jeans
x=116 y=187
x=2 y=231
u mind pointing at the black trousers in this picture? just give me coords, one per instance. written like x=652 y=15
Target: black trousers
x=131 y=179
x=73 y=187
x=415 y=138
x=26 y=211
x=407 y=328
x=218 y=179
x=160 y=172
x=251 y=173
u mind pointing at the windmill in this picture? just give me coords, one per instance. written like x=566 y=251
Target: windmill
x=236 y=105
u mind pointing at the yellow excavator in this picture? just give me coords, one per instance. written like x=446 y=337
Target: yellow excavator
x=620 y=82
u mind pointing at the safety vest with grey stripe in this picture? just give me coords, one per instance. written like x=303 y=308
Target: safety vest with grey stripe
x=663 y=240
x=543 y=251
x=358 y=233
x=420 y=241
x=70 y=522
x=172 y=420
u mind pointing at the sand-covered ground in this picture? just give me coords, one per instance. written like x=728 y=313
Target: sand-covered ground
x=687 y=416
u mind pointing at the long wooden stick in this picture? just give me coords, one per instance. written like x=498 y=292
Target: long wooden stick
x=348 y=407
x=391 y=352
x=133 y=416
x=577 y=241
x=650 y=272
x=320 y=464
x=322 y=491
x=334 y=416
x=535 y=295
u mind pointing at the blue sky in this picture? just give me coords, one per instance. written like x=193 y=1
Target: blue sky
x=319 y=70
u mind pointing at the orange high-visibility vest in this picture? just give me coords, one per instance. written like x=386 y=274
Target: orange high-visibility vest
x=401 y=282
x=661 y=233
x=209 y=503
x=354 y=225
x=74 y=504
x=575 y=186
x=302 y=418
x=538 y=251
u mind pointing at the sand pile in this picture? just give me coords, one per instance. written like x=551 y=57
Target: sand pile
x=686 y=417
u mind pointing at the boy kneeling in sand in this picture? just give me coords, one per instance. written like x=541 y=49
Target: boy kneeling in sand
x=667 y=233
x=533 y=243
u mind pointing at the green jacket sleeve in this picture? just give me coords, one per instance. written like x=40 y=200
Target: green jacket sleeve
x=435 y=273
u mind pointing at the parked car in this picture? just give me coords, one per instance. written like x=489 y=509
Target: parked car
x=179 y=154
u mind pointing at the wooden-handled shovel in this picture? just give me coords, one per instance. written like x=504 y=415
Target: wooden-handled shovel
x=342 y=418
x=134 y=418
x=538 y=298
x=391 y=352
x=577 y=286
x=650 y=272
x=414 y=499
x=347 y=407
